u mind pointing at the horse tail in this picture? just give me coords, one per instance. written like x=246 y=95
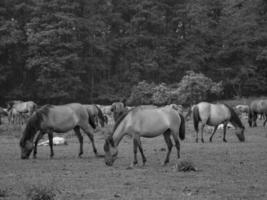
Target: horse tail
x=182 y=127
x=196 y=117
x=100 y=116
x=91 y=120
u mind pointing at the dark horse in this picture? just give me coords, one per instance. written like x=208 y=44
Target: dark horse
x=145 y=122
x=214 y=115
x=59 y=119
x=257 y=107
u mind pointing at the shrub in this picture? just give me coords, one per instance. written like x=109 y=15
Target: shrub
x=40 y=192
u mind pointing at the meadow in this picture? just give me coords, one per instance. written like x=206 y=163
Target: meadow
x=231 y=170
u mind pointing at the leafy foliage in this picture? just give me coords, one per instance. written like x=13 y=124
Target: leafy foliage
x=59 y=51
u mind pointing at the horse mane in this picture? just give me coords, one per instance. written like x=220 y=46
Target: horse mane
x=234 y=117
x=120 y=118
x=33 y=124
x=100 y=113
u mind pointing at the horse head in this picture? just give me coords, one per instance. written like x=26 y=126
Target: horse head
x=26 y=149
x=26 y=142
x=240 y=134
x=111 y=151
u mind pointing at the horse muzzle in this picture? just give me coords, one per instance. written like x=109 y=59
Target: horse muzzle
x=109 y=163
x=23 y=157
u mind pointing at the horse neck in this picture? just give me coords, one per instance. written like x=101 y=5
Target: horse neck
x=28 y=134
x=118 y=134
x=236 y=124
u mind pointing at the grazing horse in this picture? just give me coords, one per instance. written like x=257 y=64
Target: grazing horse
x=11 y=103
x=257 y=107
x=96 y=112
x=242 y=108
x=19 y=110
x=118 y=108
x=145 y=122
x=214 y=115
x=25 y=107
x=59 y=119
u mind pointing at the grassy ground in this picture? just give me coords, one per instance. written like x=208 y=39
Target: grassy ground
x=230 y=170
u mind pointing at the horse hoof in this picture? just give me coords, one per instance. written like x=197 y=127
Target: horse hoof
x=196 y=140
x=202 y=140
x=225 y=140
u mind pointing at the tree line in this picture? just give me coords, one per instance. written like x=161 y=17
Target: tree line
x=100 y=51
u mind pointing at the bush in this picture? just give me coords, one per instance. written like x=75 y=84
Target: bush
x=40 y=192
x=195 y=87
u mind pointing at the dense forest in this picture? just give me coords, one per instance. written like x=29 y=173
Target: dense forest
x=100 y=51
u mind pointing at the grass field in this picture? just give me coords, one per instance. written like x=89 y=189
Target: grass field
x=230 y=170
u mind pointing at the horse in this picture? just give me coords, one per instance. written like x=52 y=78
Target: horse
x=178 y=108
x=257 y=107
x=96 y=113
x=59 y=119
x=215 y=114
x=11 y=103
x=14 y=117
x=146 y=122
x=118 y=108
x=242 y=108
x=25 y=107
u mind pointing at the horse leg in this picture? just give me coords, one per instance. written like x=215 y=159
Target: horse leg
x=141 y=149
x=177 y=144
x=202 y=127
x=135 y=144
x=39 y=136
x=214 y=130
x=80 y=138
x=89 y=133
x=50 y=138
x=169 y=145
x=224 y=132
x=255 y=116
x=265 y=120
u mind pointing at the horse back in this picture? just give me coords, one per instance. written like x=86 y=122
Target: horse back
x=259 y=106
x=65 y=117
x=213 y=114
x=151 y=122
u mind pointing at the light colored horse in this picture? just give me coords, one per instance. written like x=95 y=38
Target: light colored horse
x=145 y=122
x=117 y=108
x=106 y=110
x=19 y=111
x=59 y=119
x=257 y=107
x=214 y=115
x=242 y=108
x=25 y=107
